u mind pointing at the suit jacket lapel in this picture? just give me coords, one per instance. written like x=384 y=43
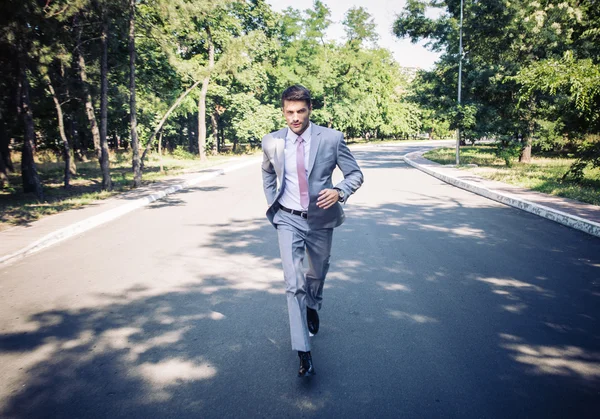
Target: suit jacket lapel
x=280 y=148
x=315 y=141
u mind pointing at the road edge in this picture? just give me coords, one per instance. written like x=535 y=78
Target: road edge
x=552 y=214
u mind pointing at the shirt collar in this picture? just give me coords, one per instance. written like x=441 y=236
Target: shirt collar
x=292 y=136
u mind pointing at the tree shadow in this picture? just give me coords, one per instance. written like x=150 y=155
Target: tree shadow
x=175 y=200
x=175 y=354
x=430 y=311
x=447 y=296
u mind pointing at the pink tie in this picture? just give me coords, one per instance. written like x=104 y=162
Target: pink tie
x=302 y=181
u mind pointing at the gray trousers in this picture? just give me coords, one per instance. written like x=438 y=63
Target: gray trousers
x=295 y=240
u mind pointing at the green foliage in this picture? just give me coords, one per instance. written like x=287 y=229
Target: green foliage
x=360 y=91
x=588 y=156
x=463 y=117
x=549 y=136
x=359 y=26
x=251 y=120
x=579 y=79
x=180 y=152
x=357 y=87
x=531 y=70
x=508 y=150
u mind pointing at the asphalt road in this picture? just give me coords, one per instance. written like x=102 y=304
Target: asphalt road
x=439 y=303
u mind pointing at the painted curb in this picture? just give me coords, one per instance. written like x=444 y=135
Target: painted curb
x=110 y=215
x=552 y=214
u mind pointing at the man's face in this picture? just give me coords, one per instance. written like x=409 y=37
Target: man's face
x=297 y=115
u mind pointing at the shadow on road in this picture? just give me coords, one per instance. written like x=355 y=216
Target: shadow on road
x=423 y=317
x=176 y=199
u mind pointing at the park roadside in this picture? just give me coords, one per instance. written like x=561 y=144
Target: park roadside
x=571 y=213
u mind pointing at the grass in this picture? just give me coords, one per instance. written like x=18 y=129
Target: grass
x=543 y=174
x=18 y=208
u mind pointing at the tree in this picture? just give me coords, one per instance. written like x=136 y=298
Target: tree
x=202 y=98
x=193 y=35
x=359 y=26
x=104 y=153
x=69 y=166
x=85 y=90
x=17 y=34
x=136 y=164
x=248 y=119
x=90 y=77
x=500 y=39
x=576 y=85
x=53 y=59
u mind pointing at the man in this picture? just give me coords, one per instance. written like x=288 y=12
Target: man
x=298 y=162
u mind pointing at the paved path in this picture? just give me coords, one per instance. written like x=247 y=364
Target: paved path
x=439 y=303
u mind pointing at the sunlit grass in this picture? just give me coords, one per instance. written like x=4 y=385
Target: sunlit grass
x=481 y=155
x=18 y=208
x=544 y=174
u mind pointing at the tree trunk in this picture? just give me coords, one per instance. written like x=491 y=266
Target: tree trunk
x=104 y=155
x=29 y=174
x=69 y=163
x=215 y=132
x=202 y=99
x=191 y=137
x=6 y=164
x=78 y=148
x=525 y=156
x=160 y=151
x=164 y=119
x=3 y=173
x=137 y=172
x=202 y=120
x=89 y=106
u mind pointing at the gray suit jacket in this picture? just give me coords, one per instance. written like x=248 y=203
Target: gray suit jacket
x=327 y=150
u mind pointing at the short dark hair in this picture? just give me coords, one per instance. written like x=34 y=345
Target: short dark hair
x=296 y=92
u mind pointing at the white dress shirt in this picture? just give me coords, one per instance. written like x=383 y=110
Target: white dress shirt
x=291 y=192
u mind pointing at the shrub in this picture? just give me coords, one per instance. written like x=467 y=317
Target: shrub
x=180 y=152
x=508 y=151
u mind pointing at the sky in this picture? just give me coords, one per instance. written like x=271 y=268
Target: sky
x=384 y=13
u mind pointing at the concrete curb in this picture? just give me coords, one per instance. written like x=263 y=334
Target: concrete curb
x=552 y=214
x=92 y=222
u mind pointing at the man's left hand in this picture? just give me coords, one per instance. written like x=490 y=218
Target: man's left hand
x=327 y=197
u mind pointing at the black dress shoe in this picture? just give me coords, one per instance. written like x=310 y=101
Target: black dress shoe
x=306 y=365
x=312 y=320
